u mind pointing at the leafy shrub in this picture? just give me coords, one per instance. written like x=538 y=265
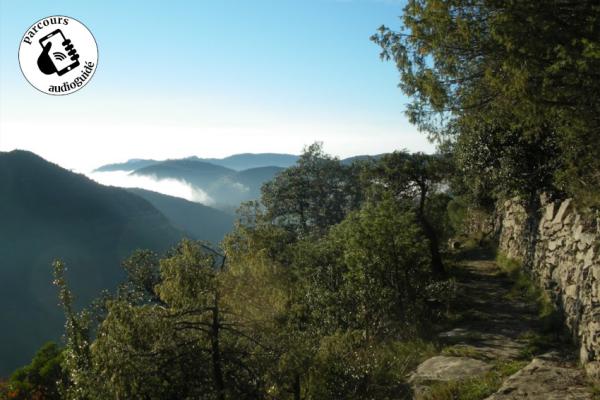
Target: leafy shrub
x=40 y=379
x=349 y=367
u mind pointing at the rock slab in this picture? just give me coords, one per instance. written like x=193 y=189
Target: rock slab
x=545 y=379
x=445 y=368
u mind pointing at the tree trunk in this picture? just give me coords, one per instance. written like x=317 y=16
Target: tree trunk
x=437 y=266
x=216 y=352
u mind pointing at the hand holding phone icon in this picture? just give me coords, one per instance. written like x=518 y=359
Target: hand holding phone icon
x=57 y=61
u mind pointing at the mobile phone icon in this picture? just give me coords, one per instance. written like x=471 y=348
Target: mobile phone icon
x=62 y=54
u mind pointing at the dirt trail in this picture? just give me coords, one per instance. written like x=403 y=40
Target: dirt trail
x=494 y=323
x=496 y=328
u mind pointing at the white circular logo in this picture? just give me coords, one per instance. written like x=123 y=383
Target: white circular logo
x=58 y=55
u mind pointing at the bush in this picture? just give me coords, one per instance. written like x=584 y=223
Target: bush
x=40 y=379
x=349 y=367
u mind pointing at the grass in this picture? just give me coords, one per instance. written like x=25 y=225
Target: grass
x=474 y=249
x=595 y=390
x=525 y=289
x=476 y=388
x=510 y=266
x=540 y=343
x=464 y=351
x=552 y=332
x=412 y=352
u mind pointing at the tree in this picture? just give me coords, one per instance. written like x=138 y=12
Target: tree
x=312 y=195
x=80 y=382
x=385 y=256
x=367 y=280
x=167 y=334
x=415 y=177
x=524 y=69
x=41 y=378
x=498 y=163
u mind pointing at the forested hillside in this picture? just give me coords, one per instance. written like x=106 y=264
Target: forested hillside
x=196 y=220
x=47 y=212
x=313 y=294
x=226 y=188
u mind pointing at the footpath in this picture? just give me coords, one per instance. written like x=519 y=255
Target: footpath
x=499 y=341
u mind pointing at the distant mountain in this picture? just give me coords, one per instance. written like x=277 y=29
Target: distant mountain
x=237 y=162
x=245 y=161
x=225 y=186
x=193 y=171
x=350 y=160
x=47 y=212
x=130 y=165
x=254 y=178
x=226 y=181
x=198 y=221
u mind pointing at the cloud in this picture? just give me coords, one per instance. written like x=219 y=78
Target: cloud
x=171 y=187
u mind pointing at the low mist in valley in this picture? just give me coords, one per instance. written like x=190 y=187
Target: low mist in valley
x=171 y=187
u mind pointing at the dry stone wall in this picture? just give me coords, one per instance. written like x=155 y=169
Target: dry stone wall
x=565 y=262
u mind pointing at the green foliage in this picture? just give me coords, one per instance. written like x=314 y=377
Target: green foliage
x=312 y=195
x=333 y=298
x=366 y=280
x=437 y=212
x=179 y=341
x=513 y=86
x=370 y=273
x=510 y=266
x=77 y=358
x=41 y=378
x=470 y=224
x=387 y=267
x=417 y=178
x=458 y=212
x=464 y=351
x=501 y=162
x=321 y=292
x=475 y=388
x=349 y=367
x=550 y=319
x=524 y=287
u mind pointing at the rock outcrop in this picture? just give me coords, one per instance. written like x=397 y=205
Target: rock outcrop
x=545 y=378
x=444 y=368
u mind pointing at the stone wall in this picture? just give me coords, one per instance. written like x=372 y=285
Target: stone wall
x=565 y=262
x=513 y=238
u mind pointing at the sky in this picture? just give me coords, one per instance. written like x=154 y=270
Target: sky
x=210 y=78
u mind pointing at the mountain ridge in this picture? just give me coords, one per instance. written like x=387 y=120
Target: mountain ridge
x=237 y=162
x=196 y=220
x=48 y=212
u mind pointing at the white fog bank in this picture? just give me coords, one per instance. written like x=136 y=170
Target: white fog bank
x=171 y=187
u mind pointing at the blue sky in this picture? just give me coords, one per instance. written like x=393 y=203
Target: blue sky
x=210 y=78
